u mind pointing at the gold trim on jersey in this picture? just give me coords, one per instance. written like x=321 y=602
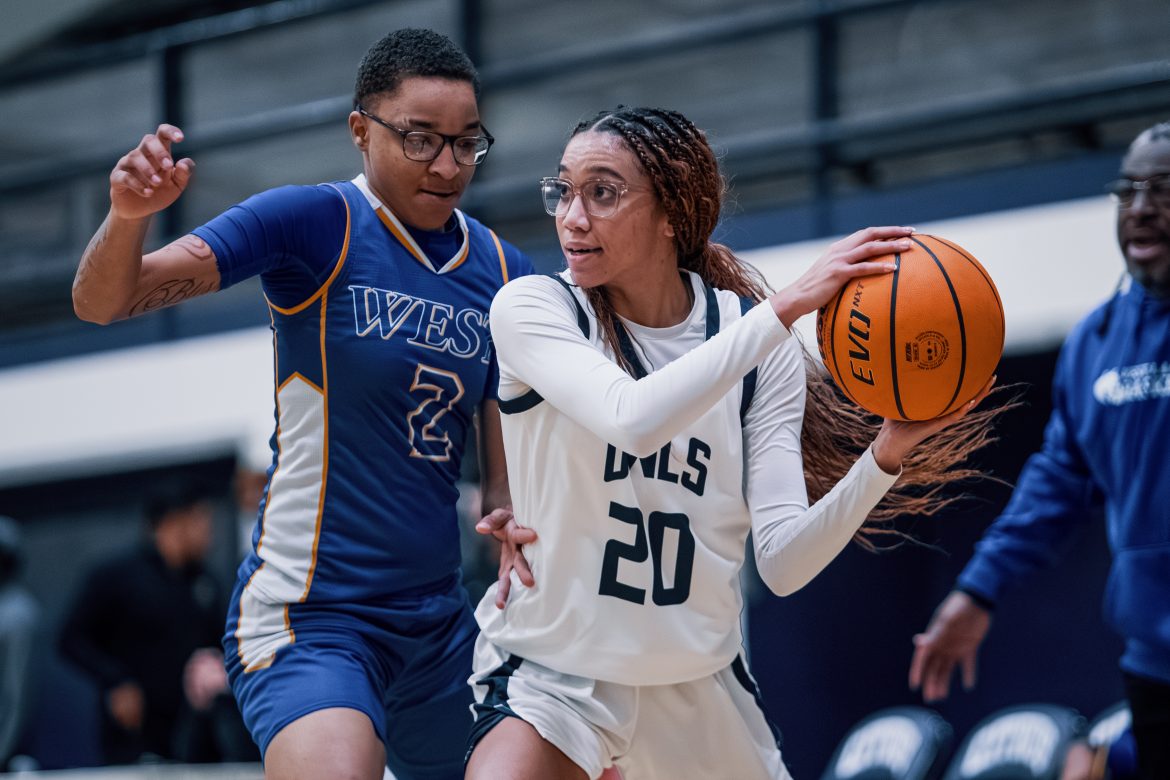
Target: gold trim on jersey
x=500 y=252
x=324 y=450
x=261 y=629
x=399 y=231
x=333 y=275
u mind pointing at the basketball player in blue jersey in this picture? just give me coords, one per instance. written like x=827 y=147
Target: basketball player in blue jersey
x=653 y=400
x=349 y=637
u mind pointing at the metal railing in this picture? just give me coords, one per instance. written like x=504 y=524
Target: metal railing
x=828 y=142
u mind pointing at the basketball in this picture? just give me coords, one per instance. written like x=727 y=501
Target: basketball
x=919 y=342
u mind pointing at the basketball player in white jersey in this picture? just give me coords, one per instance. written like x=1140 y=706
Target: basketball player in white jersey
x=653 y=400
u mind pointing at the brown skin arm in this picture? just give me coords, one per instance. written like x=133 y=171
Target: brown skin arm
x=114 y=279
x=859 y=254
x=498 y=520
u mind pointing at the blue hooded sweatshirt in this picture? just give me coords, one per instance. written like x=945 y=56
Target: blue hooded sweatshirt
x=1106 y=445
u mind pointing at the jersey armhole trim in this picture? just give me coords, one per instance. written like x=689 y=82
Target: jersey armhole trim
x=520 y=404
x=523 y=403
x=336 y=268
x=582 y=318
x=500 y=252
x=749 y=379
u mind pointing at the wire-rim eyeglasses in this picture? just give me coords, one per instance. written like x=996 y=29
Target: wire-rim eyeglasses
x=600 y=197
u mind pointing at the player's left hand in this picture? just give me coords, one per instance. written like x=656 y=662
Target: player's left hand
x=897 y=437
x=501 y=524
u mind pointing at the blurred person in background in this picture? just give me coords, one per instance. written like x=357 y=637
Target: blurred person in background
x=253 y=460
x=1105 y=446
x=144 y=626
x=19 y=616
x=349 y=637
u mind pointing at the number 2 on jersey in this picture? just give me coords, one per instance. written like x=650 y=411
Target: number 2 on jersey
x=639 y=551
x=439 y=390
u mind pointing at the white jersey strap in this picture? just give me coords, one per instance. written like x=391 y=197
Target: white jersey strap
x=750 y=378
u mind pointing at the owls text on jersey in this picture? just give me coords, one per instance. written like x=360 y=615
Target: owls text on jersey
x=380 y=369
x=637 y=487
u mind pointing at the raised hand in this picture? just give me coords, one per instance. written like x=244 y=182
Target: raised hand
x=147 y=179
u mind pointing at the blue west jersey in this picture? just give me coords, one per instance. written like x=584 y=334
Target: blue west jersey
x=381 y=360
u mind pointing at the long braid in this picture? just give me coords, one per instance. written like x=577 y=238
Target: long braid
x=679 y=162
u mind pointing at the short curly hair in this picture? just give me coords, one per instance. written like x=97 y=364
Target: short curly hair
x=411 y=52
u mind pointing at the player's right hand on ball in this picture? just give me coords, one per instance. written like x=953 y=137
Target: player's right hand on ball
x=861 y=253
x=148 y=179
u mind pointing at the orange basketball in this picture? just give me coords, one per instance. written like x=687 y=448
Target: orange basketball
x=919 y=342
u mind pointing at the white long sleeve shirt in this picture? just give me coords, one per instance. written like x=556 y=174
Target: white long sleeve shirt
x=643 y=490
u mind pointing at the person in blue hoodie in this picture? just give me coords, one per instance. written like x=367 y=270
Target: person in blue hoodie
x=1104 y=447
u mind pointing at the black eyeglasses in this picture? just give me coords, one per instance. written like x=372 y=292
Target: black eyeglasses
x=1157 y=188
x=599 y=197
x=425 y=145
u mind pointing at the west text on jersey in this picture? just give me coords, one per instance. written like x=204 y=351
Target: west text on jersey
x=431 y=324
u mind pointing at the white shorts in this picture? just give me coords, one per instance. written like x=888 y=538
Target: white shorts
x=705 y=729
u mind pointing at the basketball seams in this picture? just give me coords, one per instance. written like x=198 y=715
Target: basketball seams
x=920 y=326
x=894 y=335
x=982 y=272
x=838 y=376
x=958 y=313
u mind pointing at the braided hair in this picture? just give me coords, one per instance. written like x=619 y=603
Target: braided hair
x=684 y=172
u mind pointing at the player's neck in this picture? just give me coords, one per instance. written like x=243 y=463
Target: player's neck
x=657 y=301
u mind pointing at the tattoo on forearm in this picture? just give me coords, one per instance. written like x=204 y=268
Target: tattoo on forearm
x=175 y=290
x=169 y=293
x=85 y=268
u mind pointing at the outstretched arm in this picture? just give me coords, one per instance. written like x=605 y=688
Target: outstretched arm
x=794 y=542
x=114 y=279
x=541 y=347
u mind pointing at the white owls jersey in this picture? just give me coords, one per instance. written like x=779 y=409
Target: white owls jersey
x=639 y=488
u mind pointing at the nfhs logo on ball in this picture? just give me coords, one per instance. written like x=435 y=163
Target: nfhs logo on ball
x=928 y=350
x=919 y=342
